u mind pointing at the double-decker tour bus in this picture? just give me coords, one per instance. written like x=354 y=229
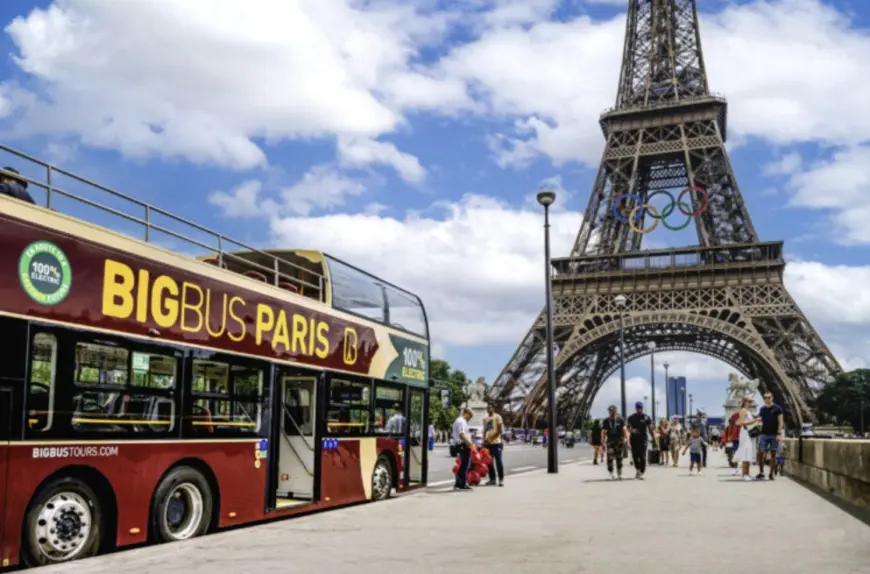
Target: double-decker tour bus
x=152 y=396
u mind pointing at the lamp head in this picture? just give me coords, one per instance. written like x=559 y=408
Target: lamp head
x=651 y=345
x=620 y=300
x=546 y=197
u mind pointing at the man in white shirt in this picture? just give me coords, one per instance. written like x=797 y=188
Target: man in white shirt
x=462 y=437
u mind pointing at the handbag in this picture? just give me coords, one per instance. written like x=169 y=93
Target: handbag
x=754 y=432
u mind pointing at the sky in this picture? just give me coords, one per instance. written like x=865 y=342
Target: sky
x=409 y=138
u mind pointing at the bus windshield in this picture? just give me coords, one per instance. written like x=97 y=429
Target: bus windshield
x=362 y=294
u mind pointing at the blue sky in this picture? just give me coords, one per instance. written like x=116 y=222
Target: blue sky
x=409 y=138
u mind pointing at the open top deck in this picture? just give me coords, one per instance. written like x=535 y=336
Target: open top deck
x=302 y=272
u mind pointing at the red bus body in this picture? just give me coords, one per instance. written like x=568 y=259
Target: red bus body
x=135 y=472
x=130 y=469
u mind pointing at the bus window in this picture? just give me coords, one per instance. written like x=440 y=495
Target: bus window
x=101 y=365
x=40 y=398
x=389 y=410
x=226 y=397
x=119 y=391
x=348 y=408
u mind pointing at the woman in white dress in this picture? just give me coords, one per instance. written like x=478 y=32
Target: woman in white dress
x=745 y=454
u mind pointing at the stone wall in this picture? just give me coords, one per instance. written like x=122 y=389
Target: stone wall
x=838 y=467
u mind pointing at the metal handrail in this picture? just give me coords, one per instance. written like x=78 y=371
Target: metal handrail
x=289 y=415
x=149 y=211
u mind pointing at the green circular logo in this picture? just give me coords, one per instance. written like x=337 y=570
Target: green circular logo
x=45 y=272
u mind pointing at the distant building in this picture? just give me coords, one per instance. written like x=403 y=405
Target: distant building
x=677 y=403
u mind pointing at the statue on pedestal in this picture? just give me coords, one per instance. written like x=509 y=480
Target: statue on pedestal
x=476 y=392
x=738 y=389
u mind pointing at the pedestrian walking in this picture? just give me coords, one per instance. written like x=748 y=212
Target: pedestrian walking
x=676 y=439
x=431 y=438
x=462 y=438
x=595 y=441
x=695 y=447
x=664 y=440
x=731 y=437
x=745 y=453
x=639 y=424
x=771 y=416
x=493 y=429
x=614 y=435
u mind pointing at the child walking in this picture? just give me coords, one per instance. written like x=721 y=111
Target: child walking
x=695 y=447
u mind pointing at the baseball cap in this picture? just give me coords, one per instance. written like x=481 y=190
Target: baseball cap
x=611 y=408
x=638 y=405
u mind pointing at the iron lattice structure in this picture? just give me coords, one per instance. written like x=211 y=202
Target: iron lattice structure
x=724 y=298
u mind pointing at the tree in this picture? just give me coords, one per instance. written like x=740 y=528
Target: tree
x=443 y=377
x=844 y=398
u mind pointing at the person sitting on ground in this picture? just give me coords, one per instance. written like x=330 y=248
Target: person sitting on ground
x=14 y=186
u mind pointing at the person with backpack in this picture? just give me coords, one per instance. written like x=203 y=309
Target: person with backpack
x=14 y=186
x=595 y=441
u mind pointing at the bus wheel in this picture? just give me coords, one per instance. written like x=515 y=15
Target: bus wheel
x=382 y=479
x=182 y=506
x=63 y=523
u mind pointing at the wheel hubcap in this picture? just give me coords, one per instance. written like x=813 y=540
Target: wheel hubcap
x=381 y=481
x=183 y=512
x=63 y=526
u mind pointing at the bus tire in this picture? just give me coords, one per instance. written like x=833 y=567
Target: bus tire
x=182 y=506
x=62 y=523
x=382 y=479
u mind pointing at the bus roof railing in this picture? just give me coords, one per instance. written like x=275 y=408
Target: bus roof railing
x=302 y=280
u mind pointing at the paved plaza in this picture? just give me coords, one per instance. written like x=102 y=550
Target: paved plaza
x=572 y=522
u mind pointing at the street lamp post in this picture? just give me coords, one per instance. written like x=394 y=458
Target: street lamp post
x=546 y=198
x=683 y=403
x=668 y=393
x=652 y=375
x=691 y=408
x=620 y=301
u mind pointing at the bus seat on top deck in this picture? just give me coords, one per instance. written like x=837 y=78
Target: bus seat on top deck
x=255 y=275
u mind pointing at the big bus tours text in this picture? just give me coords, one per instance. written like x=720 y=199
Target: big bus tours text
x=198 y=311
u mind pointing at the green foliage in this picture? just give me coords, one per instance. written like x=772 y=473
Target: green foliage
x=444 y=377
x=841 y=401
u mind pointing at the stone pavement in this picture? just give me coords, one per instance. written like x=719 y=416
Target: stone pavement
x=572 y=522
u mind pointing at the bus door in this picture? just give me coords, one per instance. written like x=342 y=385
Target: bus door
x=297 y=446
x=417 y=438
x=5 y=436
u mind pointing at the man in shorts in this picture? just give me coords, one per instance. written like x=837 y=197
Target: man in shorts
x=771 y=416
x=614 y=435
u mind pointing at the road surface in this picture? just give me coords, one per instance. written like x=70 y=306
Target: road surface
x=518 y=458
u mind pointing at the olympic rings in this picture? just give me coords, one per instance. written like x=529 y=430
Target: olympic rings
x=640 y=209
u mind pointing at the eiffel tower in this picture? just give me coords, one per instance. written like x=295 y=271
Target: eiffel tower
x=724 y=298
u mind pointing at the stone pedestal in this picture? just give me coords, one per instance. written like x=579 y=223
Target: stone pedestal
x=479 y=410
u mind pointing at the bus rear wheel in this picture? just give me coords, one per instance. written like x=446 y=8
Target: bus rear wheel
x=382 y=479
x=182 y=506
x=63 y=523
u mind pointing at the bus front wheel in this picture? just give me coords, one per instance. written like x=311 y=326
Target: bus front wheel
x=182 y=505
x=63 y=523
x=382 y=479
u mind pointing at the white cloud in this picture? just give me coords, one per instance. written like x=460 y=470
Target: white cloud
x=839 y=186
x=222 y=76
x=555 y=78
x=322 y=187
x=242 y=201
x=222 y=80
x=359 y=152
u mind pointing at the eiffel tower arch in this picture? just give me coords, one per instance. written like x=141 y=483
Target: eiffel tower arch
x=724 y=297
